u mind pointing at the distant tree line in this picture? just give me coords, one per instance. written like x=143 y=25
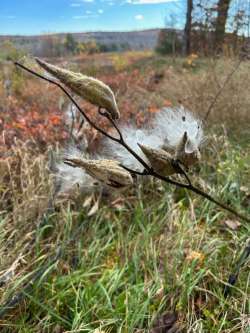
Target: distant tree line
x=54 y=46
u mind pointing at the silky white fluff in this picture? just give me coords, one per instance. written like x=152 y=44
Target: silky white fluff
x=132 y=137
x=166 y=131
x=171 y=124
x=69 y=177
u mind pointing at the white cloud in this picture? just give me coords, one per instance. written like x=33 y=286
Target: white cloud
x=100 y=11
x=75 y=5
x=147 y=2
x=139 y=17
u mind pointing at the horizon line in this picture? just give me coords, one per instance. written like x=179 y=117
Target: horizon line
x=83 y=32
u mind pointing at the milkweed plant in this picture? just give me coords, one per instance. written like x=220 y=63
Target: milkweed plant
x=170 y=146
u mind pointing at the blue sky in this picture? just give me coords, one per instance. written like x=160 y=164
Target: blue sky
x=44 y=16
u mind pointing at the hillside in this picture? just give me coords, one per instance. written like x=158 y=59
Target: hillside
x=135 y=40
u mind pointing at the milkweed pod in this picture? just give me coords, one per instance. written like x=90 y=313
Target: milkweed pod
x=106 y=171
x=91 y=89
x=187 y=152
x=160 y=160
x=180 y=149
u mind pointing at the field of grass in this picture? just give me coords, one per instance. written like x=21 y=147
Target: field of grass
x=153 y=259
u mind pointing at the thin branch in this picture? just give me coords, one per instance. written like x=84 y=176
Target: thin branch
x=217 y=202
x=122 y=142
x=135 y=172
x=191 y=188
x=221 y=89
x=105 y=114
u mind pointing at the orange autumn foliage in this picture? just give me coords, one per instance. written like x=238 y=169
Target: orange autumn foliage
x=33 y=112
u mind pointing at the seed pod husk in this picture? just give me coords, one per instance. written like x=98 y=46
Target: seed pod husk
x=160 y=160
x=106 y=171
x=186 y=152
x=91 y=89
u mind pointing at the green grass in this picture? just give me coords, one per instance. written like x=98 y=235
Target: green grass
x=162 y=250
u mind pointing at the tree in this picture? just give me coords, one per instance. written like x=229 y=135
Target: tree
x=188 y=27
x=220 y=24
x=168 y=42
x=92 y=47
x=10 y=52
x=70 y=43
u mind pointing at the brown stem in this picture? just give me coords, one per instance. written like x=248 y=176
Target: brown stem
x=121 y=141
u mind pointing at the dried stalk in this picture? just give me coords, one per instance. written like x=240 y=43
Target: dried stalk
x=228 y=78
x=148 y=169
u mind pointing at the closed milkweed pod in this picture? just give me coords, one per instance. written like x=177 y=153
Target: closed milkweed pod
x=106 y=171
x=160 y=160
x=91 y=89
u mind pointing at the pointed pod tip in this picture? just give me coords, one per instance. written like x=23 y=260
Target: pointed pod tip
x=38 y=60
x=45 y=65
x=74 y=162
x=144 y=148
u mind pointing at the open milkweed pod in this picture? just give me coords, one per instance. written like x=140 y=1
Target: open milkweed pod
x=160 y=160
x=106 y=171
x=91 y=89
x=187 y=152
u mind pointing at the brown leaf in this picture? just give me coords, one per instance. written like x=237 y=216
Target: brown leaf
x=166 y=323
x=118 y=203
x=232 y=224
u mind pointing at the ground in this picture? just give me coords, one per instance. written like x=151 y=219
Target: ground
x=152 y=256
